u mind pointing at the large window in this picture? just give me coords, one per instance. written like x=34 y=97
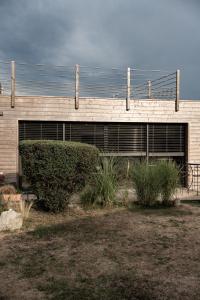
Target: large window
x=136 y=139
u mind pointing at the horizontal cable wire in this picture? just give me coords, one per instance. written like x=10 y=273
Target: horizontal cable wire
x=47 y=80
x=44 y=79
x=163 y=86
x=5 y=74
x=95 y=82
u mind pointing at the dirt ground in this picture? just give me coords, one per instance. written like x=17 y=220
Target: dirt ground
x=104 y=254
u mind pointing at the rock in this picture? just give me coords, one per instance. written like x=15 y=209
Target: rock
x=126 y=195
x=75 y=199
x=10 y=220
x=177 y=202
x=74 y=206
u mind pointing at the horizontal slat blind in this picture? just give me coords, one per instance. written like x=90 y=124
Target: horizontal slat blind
x=110 y=137
x=40 y=130
x=132 y=137
x=166 y=138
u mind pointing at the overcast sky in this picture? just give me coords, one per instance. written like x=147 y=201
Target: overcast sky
x=162 y=34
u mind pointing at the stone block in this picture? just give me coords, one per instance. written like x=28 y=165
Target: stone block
x=10 y=220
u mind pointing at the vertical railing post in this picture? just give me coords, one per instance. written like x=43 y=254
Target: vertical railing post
x=63 y=131
x=128 y=96
x=147 y=142
x=197 y=180
x=77 y=85
x=177 y=90
x=13 y=79
x=149 y=89
x=0 y=88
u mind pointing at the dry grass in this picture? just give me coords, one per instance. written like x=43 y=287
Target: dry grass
x=8 y=189
x=104 y=254
x=25 y=208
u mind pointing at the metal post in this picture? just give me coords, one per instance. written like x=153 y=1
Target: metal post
x=177 y=90
x=20 y=174
x=105 y=138
x=13 y=78
x=128 y=97
x=0 y=88
x=77 y=79
x=63 y=131
x=147 y=141
x=149 y=89
x=197 y=180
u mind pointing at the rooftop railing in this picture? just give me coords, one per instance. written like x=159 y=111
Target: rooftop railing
x=22 y=79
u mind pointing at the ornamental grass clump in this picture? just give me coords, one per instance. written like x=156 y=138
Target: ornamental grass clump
x=155 y=184
x=102 y=188
x=25 y=208
x=146 y=183
x=169 y=177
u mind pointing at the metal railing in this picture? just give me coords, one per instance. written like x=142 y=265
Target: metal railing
x=193 y=177
x=83 y=81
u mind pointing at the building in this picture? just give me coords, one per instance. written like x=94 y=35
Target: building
x=150 y=128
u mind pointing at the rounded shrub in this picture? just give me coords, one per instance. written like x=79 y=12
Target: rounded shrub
x=56 y=169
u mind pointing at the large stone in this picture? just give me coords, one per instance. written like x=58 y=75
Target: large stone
x=126 y=195
x=10 y=220
x=75 y=199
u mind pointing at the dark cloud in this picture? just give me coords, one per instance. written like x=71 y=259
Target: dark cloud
x=139 y=33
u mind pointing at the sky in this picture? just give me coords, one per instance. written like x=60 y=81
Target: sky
x=150 y=34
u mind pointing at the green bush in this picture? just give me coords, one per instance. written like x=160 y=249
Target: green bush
x=102 y=188
x=55 y=169
x=155 y=184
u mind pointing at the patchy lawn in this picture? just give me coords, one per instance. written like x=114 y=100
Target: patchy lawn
x=108 y=254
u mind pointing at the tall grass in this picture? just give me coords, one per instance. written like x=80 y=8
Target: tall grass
x=25 y=208
x=156 y=183
x=101 y=191
x=169 y=177
x=146 y=183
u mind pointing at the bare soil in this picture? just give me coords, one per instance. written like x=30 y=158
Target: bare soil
x=104 y=254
